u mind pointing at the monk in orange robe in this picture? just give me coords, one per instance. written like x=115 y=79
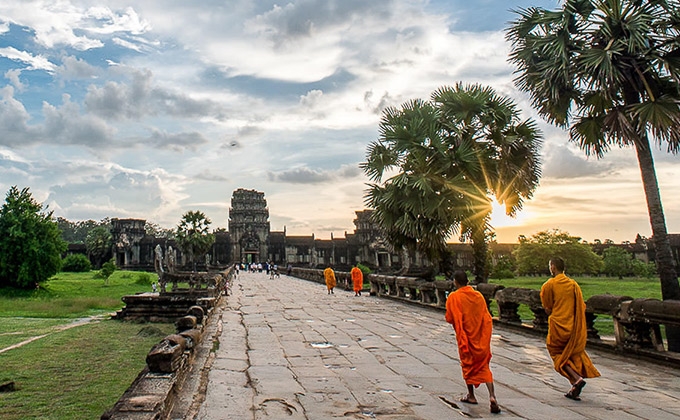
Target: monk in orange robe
x=466 y=310
x=357 y=280
x=566 y=342
x=329 y=276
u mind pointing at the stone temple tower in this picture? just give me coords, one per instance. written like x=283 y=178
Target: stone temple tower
x=249 y=226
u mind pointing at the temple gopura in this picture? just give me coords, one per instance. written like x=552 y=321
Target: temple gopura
x=250 y=239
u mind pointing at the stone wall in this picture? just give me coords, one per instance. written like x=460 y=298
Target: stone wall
x=637 y=322
x=154 y=392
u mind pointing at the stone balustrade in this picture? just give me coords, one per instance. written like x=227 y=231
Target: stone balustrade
x=152 y=394
x=637 y=322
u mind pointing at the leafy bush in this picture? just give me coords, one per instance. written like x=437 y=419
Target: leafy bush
x=364 y=269
x=76 y=263
x=143 y=278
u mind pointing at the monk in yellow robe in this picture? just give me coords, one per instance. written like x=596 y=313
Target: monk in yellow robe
x=466 y=310
x=566 y=342
x=329 y=276
x=357 y=280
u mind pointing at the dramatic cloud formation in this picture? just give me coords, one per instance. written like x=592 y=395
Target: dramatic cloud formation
x=150 y=109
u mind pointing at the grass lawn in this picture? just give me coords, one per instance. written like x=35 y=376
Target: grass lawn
x=75 y=374
x=72 y=295
x=78 y=372
x=633 y=287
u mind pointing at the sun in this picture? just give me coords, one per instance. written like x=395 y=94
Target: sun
x=499 y=219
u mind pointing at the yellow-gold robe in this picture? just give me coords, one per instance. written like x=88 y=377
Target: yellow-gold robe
x=329 y=276
x=567 y=333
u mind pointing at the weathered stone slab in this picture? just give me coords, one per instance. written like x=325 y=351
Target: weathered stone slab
x=166 y=356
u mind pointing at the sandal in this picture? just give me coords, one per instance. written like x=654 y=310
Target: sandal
x=466 y=399
x=575 y=391
x=578 y=387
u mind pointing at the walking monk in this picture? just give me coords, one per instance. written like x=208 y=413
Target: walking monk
x=466 y=310
x=566 y=342
x=329 y=276
x=357 y=280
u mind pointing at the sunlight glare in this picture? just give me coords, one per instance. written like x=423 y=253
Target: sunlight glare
x=500 y=219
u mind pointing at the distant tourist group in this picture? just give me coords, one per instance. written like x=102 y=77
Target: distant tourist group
x=271 y=269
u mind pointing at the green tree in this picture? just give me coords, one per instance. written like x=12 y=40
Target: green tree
x=98 y=243
x=504 y=268
x=193 y=237
x=609 y=70
x=617 y=262
x=438 y=163
x=108 y=268
x=157 y=231
x=76 y=232
x=643 y=269
x=30 y=241
x=532 y=254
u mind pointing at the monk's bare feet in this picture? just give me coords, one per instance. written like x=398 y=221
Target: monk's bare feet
x=469 y=399
x=493 y=406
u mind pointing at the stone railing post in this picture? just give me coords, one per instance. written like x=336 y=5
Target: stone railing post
x=488 y=290
x=510 y=298
x=427 y=292
x=507 y=306
x=442 y=290
x=638 y=322
x=603 y=304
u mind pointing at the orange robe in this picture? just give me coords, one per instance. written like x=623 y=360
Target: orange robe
x=329 y=276
x=567 y=334
x=357 y=279
x=466 y=310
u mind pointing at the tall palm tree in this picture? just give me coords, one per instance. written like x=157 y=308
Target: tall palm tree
x=413 y=205
x=193 y=235
x=450 y=156
x=610 y=71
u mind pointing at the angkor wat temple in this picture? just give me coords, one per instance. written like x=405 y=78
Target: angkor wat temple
x=250 y=239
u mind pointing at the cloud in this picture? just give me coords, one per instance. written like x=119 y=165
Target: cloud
x=13 y=76
x=14 y=129
x=108 y=190
x=103 y=20
x=300 y=176
x=309 y=18
x=66 y=125
x=177 y=141
x=306 y=175
x=34 y=62
x=65 y=24
x=141 y=97
x=561 y=161
x=207 y=175
x=73 y=68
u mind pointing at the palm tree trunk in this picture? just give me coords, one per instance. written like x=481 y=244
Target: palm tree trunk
x=479 y=253
x=670 y=288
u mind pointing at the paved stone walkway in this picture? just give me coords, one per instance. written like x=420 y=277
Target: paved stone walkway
x=288 y=350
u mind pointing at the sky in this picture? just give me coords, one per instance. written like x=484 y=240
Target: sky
x=151 y=109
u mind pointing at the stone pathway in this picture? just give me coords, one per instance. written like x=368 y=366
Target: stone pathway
x=288 y=350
